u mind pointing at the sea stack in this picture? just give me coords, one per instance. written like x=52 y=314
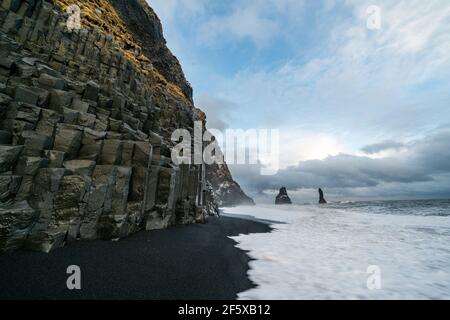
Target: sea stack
x=283 y=197
x=321 y=197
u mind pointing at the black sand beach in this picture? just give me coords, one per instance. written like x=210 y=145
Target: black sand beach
x=183 y=262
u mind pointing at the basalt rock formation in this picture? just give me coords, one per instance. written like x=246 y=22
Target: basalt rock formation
x=85 y=123
x=227 y=191
x=282 y=197
x=147 y=31
x=321 y=197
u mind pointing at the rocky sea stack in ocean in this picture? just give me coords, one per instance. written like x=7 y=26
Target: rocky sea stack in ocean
x=282 y=197
x=85 y=124
x=321 y=197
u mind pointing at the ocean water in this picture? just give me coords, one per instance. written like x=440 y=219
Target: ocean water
x=350 y=250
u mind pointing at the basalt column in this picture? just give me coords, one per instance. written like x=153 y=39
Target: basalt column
x=85 y=125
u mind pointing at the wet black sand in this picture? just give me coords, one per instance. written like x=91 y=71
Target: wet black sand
x=183 y=262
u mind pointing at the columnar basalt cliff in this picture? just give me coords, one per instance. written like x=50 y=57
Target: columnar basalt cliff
x=85 y=123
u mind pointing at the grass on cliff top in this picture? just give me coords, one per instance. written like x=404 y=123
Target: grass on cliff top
x=101 y=14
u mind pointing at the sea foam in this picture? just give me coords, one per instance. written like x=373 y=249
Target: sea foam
x=325 y=252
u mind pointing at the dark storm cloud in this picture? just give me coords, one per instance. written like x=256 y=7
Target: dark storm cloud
x=383 y=146
x=433 y=152
x=423 y=161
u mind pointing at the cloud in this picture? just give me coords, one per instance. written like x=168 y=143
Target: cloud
x=253 y=20
x=313 y=69
x=432 y=152
x=425 y=161
x=409 y=26
x=362 y=79
x=219 y=111
x=243 y=23
x=382 y=146
x=298 y=145
x=170 y=10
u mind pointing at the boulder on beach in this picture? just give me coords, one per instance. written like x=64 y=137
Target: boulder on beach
x=321 y=197
x=282 y=197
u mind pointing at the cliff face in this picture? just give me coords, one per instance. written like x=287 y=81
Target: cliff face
x=85 y=124
x=227 y=191
x=146 y=30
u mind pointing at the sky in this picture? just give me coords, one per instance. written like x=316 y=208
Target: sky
x=363 y=112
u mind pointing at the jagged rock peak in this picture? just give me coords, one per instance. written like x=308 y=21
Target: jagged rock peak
x=282 y=197
x=321 y=197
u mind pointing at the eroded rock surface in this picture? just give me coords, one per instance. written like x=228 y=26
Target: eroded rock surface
x=283 y=197
x=322 y=197
x=85 y=124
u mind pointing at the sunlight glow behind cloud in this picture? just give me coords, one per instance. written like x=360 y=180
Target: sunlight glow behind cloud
x=313 y=70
